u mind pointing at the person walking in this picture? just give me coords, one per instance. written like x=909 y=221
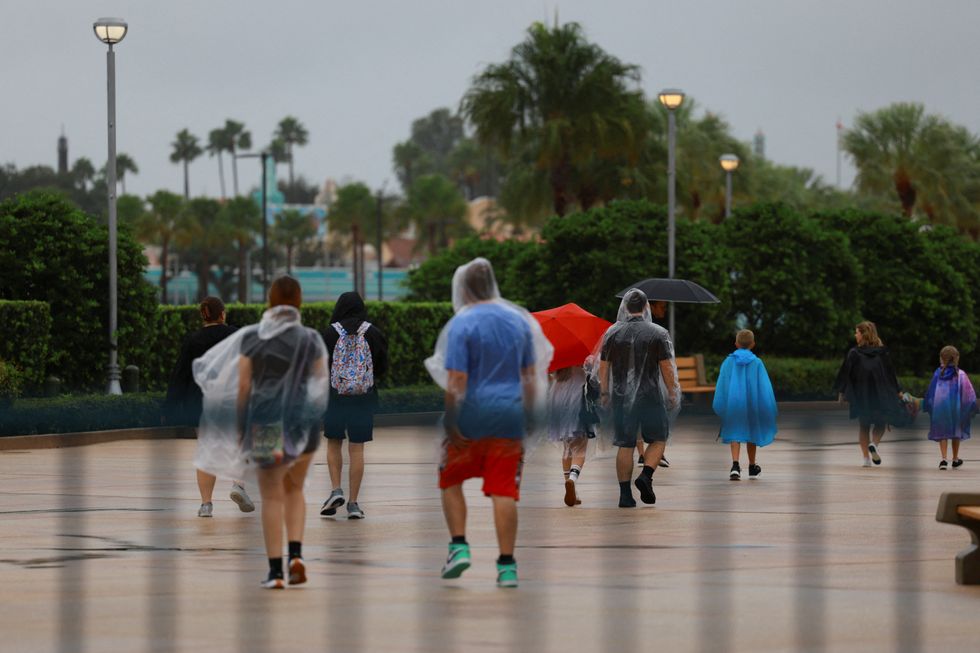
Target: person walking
x=265 y=392
x=746 y=404
x=638 y=381
x=572 y=419
x=182 y=407
x=867 y=382
x=492 y=360
x=951 y=402
x=359 y=358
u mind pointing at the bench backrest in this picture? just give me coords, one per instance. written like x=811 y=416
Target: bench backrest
x=690 y=371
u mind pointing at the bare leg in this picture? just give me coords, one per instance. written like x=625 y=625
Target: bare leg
x=576 y=449
x=205 y=484
x=863 y=440
x=879 y=432
x=454 y=508
x=335 y=461
x=273 y=508
x=295 y=502
x=956 y=448
x=356 y=470
x=566 y=458
x=505 y=519
x=942 y=448
x=624 y=463
x=736 y=450
x=752 y=450
x=653 y=453
x=640 y=446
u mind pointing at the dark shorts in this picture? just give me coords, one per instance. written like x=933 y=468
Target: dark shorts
x=870 y=420
x=647 y=420
x=353 y=422
x=498 y=461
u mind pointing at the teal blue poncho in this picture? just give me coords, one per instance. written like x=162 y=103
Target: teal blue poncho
x=744 y=400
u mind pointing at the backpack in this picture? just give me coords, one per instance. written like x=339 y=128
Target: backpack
x=352 y=367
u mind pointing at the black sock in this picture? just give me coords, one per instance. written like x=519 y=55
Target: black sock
x=295 y=550
x=275 y=567
x=506 y=559
x=624 y=489
x=648 y=471
x=459 y=539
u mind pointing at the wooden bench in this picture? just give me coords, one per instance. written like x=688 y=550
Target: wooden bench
x=963 y=509
x=690 y=373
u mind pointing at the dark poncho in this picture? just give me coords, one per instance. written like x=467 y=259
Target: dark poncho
x=867 y=380
x=183 y=403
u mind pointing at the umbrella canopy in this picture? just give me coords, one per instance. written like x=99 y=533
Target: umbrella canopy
x=672 y=290
x=573 y=331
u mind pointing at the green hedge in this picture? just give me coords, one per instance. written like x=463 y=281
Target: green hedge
x=26 y=329
x=11 y=383
x=411 y=328
x=77 y=413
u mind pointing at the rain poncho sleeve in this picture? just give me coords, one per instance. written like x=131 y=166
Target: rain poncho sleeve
x=744 y=400
x=272 y=415
x=474 y=289
x=951 y=402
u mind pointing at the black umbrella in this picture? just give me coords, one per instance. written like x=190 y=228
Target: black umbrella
x=672 y=290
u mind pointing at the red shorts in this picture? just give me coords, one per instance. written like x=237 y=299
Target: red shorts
x=498 y=461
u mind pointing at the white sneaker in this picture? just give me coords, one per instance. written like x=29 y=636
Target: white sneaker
x=866 y=463
x=239 y=496
x=205 y=510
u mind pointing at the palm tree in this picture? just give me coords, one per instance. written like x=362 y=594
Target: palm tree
x=292 y=229
x=410 y=161
x=243 y=218
x=124 y=164
x=217 y=145
x=899 y=148
x=202 y=229
x=438 y=209
x=564 y=98
x=185 y=150
x=238 y=138
x=159 y=226
x=291 y=132
x=278 y=151
x=83 y=172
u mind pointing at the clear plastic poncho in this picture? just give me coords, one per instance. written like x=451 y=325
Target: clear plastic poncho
x=474 y=289
x=565 y=406
x=273 y=416
x=633 y=349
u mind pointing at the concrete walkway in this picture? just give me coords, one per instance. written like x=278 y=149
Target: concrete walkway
x=101 y=550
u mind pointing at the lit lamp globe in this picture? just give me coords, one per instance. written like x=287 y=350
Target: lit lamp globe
x=671 y=98
x=729 y=162
x=110 y=30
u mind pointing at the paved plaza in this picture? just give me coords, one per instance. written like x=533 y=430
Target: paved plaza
x=101 y=550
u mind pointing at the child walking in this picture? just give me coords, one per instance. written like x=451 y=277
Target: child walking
x=951 y=402
x=571 y=421
x=746 y=404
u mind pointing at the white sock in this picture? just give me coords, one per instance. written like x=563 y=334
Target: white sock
x=574 y=472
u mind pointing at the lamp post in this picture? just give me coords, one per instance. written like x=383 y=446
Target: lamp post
x=671 y=99
x=729 y=163
x=381 y=267
x=264 y=158
x=111 y=31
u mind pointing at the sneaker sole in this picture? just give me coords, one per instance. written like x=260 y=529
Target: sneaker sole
x=355 y=516
x=456 y=570
x=279 y=584
x=297 y=573
x=331 y=509
x=875 y=458
x=570 y=498
x=734 y=477
x=243 y=504
x=506 y=583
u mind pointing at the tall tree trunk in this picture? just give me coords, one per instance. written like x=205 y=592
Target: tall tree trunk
x=356 y=237
x=243 y=273
x=432 y=238
x=187 y=183
x=221 y=174
x=290 y=165
x=164 y=252
x=122 y=182
x=906 y=191
x=234 y=172
x=289 y=259
x=558 y=178
x=203 y=274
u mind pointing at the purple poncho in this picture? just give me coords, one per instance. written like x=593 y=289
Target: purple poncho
x=950 y=401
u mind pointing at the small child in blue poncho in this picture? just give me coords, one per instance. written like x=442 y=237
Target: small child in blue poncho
x=745 y=402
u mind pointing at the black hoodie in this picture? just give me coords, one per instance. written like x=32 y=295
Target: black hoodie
x=868 y=381
x=351 y=312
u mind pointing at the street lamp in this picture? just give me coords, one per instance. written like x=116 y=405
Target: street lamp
x=729 y=163
x=111 y=31
x=381 y=267
x=672 y=99
x=264 y=158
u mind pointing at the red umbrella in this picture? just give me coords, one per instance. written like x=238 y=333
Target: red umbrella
x=573 y=331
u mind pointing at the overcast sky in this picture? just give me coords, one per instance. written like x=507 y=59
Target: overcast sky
x=357 y=73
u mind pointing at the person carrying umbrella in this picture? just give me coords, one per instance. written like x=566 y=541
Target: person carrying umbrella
x=638 y=382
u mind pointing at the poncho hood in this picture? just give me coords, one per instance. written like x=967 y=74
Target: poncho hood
x=743 y=356
x=349 y=311
x=871 y=352
x=276 y=320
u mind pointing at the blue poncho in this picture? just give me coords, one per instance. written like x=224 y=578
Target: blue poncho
x=744 y=400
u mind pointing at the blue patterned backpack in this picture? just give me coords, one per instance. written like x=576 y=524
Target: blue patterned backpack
x=352 y=368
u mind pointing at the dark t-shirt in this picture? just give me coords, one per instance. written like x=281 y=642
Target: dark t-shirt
x=183 y=404
x=638 y=346
x=271 y=361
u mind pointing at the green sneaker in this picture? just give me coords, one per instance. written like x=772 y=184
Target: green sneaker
x=457 y=562
x=507 y=575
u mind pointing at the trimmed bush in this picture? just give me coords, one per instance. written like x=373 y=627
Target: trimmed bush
x=26 y=329
x=11 y=382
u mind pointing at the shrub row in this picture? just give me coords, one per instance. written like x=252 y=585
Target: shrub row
x=26 y=333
